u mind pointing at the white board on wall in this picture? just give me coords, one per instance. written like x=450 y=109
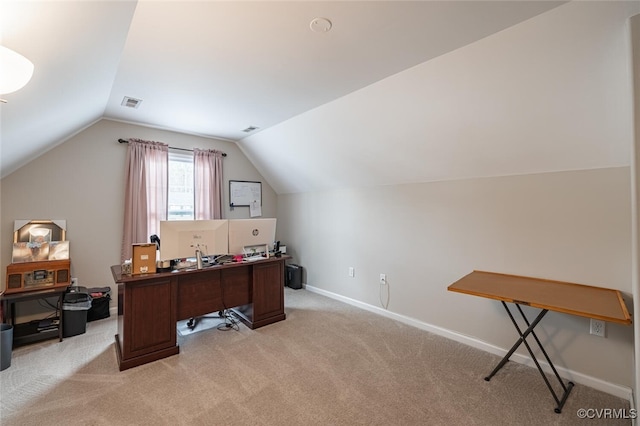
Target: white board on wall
x=244 y=193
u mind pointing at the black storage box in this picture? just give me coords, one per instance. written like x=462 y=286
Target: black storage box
x=75 y=305
x=293 y=276
x=100 y=298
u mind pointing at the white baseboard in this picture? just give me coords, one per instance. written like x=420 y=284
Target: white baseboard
x=593 y=382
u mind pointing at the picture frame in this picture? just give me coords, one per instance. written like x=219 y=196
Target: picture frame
x=59 y=250
x=30 y=252
x=39 y=231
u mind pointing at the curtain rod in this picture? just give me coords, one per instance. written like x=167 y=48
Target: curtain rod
x=224 y=154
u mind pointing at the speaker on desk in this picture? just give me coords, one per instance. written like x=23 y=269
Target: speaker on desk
x=62 y=276
x=14 y=281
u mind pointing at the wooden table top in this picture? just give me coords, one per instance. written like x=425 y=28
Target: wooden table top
x=570 y=298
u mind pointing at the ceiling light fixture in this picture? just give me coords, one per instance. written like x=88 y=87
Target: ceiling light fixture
x=15 y=71
x=320 y=25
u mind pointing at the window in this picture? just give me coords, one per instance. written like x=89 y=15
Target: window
x=180 y=199
x=163 y=184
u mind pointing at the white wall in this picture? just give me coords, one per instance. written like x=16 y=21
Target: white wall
x=82 y=181
x=571 y=226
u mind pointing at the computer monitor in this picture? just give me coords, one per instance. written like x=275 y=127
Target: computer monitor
x=180 y=238
x=251 y=235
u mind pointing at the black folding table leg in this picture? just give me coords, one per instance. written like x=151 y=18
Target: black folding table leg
x=522 y=339
x=566 y=388
x=518 y=342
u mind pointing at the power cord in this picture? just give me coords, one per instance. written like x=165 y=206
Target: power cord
x=52 y=316
x=46 y=304
x=230 y=323
x=384 y=284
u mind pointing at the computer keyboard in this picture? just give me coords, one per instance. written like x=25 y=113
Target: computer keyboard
x=225 y=258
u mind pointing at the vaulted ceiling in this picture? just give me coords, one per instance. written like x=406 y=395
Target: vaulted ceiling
x=214 y=68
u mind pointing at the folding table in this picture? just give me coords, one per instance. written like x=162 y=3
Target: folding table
x=547 y=295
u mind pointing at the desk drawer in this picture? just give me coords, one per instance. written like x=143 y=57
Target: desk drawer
x=198 y=294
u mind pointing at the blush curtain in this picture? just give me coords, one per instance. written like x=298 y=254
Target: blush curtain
x=145 y=203
x=207 y=176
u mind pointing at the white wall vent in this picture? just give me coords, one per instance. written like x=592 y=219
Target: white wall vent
x=131 y=102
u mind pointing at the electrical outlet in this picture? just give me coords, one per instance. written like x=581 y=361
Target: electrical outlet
x=74 y=282
x=597 y=328
x=383 y=278
x=352 y=271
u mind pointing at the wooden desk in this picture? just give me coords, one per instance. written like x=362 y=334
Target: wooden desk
x=150 y=305
x=547 y=295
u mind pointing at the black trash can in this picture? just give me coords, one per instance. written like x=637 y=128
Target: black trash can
x=293 y=276
x=74 y=311
x=100 y=298
x=6 y=345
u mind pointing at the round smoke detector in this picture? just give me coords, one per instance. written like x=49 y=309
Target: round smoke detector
x=320 y=25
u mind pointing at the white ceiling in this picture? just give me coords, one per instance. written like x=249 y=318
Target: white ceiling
x=213 y=68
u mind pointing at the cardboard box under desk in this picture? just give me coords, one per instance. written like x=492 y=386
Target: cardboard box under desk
x=144 y=259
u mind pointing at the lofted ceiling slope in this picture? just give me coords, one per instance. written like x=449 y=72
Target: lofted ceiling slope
x=551 y=94
x=214 y=68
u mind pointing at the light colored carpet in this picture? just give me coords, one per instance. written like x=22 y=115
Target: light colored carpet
x=328 y=363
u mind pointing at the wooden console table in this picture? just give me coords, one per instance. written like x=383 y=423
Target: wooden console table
x=28 y=332
x=546 y=295
x=149 y=305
